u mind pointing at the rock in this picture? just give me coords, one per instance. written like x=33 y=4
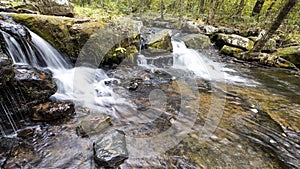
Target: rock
x=35 y=85
x=270 y=46
x=54 y=7
x=8 y=25
x=110 y=151
x=208 y=29
x=233 y=40
x=6 y=70
x=6 y=147
x=71 y=35
x=231 y=51
x=93 y=124
x=160 y=41
x=197 y=41
x=50 y=111
x=291 y=54
x=270 y=60
x=191 y=27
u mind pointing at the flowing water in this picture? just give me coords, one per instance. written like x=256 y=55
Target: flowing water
x=182 y=110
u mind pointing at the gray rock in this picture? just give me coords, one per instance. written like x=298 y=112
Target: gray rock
x=93 y=124
x=110 y=150
x=160 y=41
x=233 y=40
x=191 y=27
x=197 y=41
x=291 y=54
x=54 y=7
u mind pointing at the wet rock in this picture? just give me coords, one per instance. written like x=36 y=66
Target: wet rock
x=6 y=70
x=93 y=124
x=54 y=7
x=233 y=40
x=71 y=35
x=160 y=41
x=197 y=41
x=8 y=25
x=52 y=111
x=231 y=51
x=6 y=147
x=110 y=150
x=291 y=54
x=36 y=85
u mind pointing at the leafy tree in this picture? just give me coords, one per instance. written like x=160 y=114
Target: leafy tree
x=281 y=16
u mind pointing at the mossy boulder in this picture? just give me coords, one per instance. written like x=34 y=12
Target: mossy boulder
x=269 y=60
x=291 y=54
x=231 y=51
x=234 y=40
x=197 y=41
x=70 y=35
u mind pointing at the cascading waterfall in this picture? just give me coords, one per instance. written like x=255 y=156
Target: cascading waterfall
x=38 y=53
x=191 y=60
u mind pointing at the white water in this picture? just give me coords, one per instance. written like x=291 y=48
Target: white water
x=200 y=65
x=85 y=86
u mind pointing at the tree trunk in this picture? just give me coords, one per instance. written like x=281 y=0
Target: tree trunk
x=210 y=11
x=241 y=7
x=281 y=16
x=130 y=5
x=257 y=8
x=180 y=9
x=201 y=7
x=269 y=9
x=162 y=9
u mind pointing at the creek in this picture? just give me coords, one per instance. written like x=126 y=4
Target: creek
x=185 y=109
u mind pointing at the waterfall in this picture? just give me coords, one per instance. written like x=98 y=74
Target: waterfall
x=83 y=85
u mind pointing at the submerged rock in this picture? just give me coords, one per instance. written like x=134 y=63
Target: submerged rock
x=52 y=111
x=6 y=147
x=110 y=150
x=92 y=125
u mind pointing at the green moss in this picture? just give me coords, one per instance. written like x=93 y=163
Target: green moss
x=231 y=51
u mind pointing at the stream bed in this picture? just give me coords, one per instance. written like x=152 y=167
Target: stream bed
x=186 y=109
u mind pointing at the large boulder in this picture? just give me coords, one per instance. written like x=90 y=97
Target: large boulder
x=234 y=40
x=291 y=54
x=197 y=41
x=54 y=7
x=269 y=60
x=71 y=35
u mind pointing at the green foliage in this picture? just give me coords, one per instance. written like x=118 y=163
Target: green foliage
x=224 y=12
